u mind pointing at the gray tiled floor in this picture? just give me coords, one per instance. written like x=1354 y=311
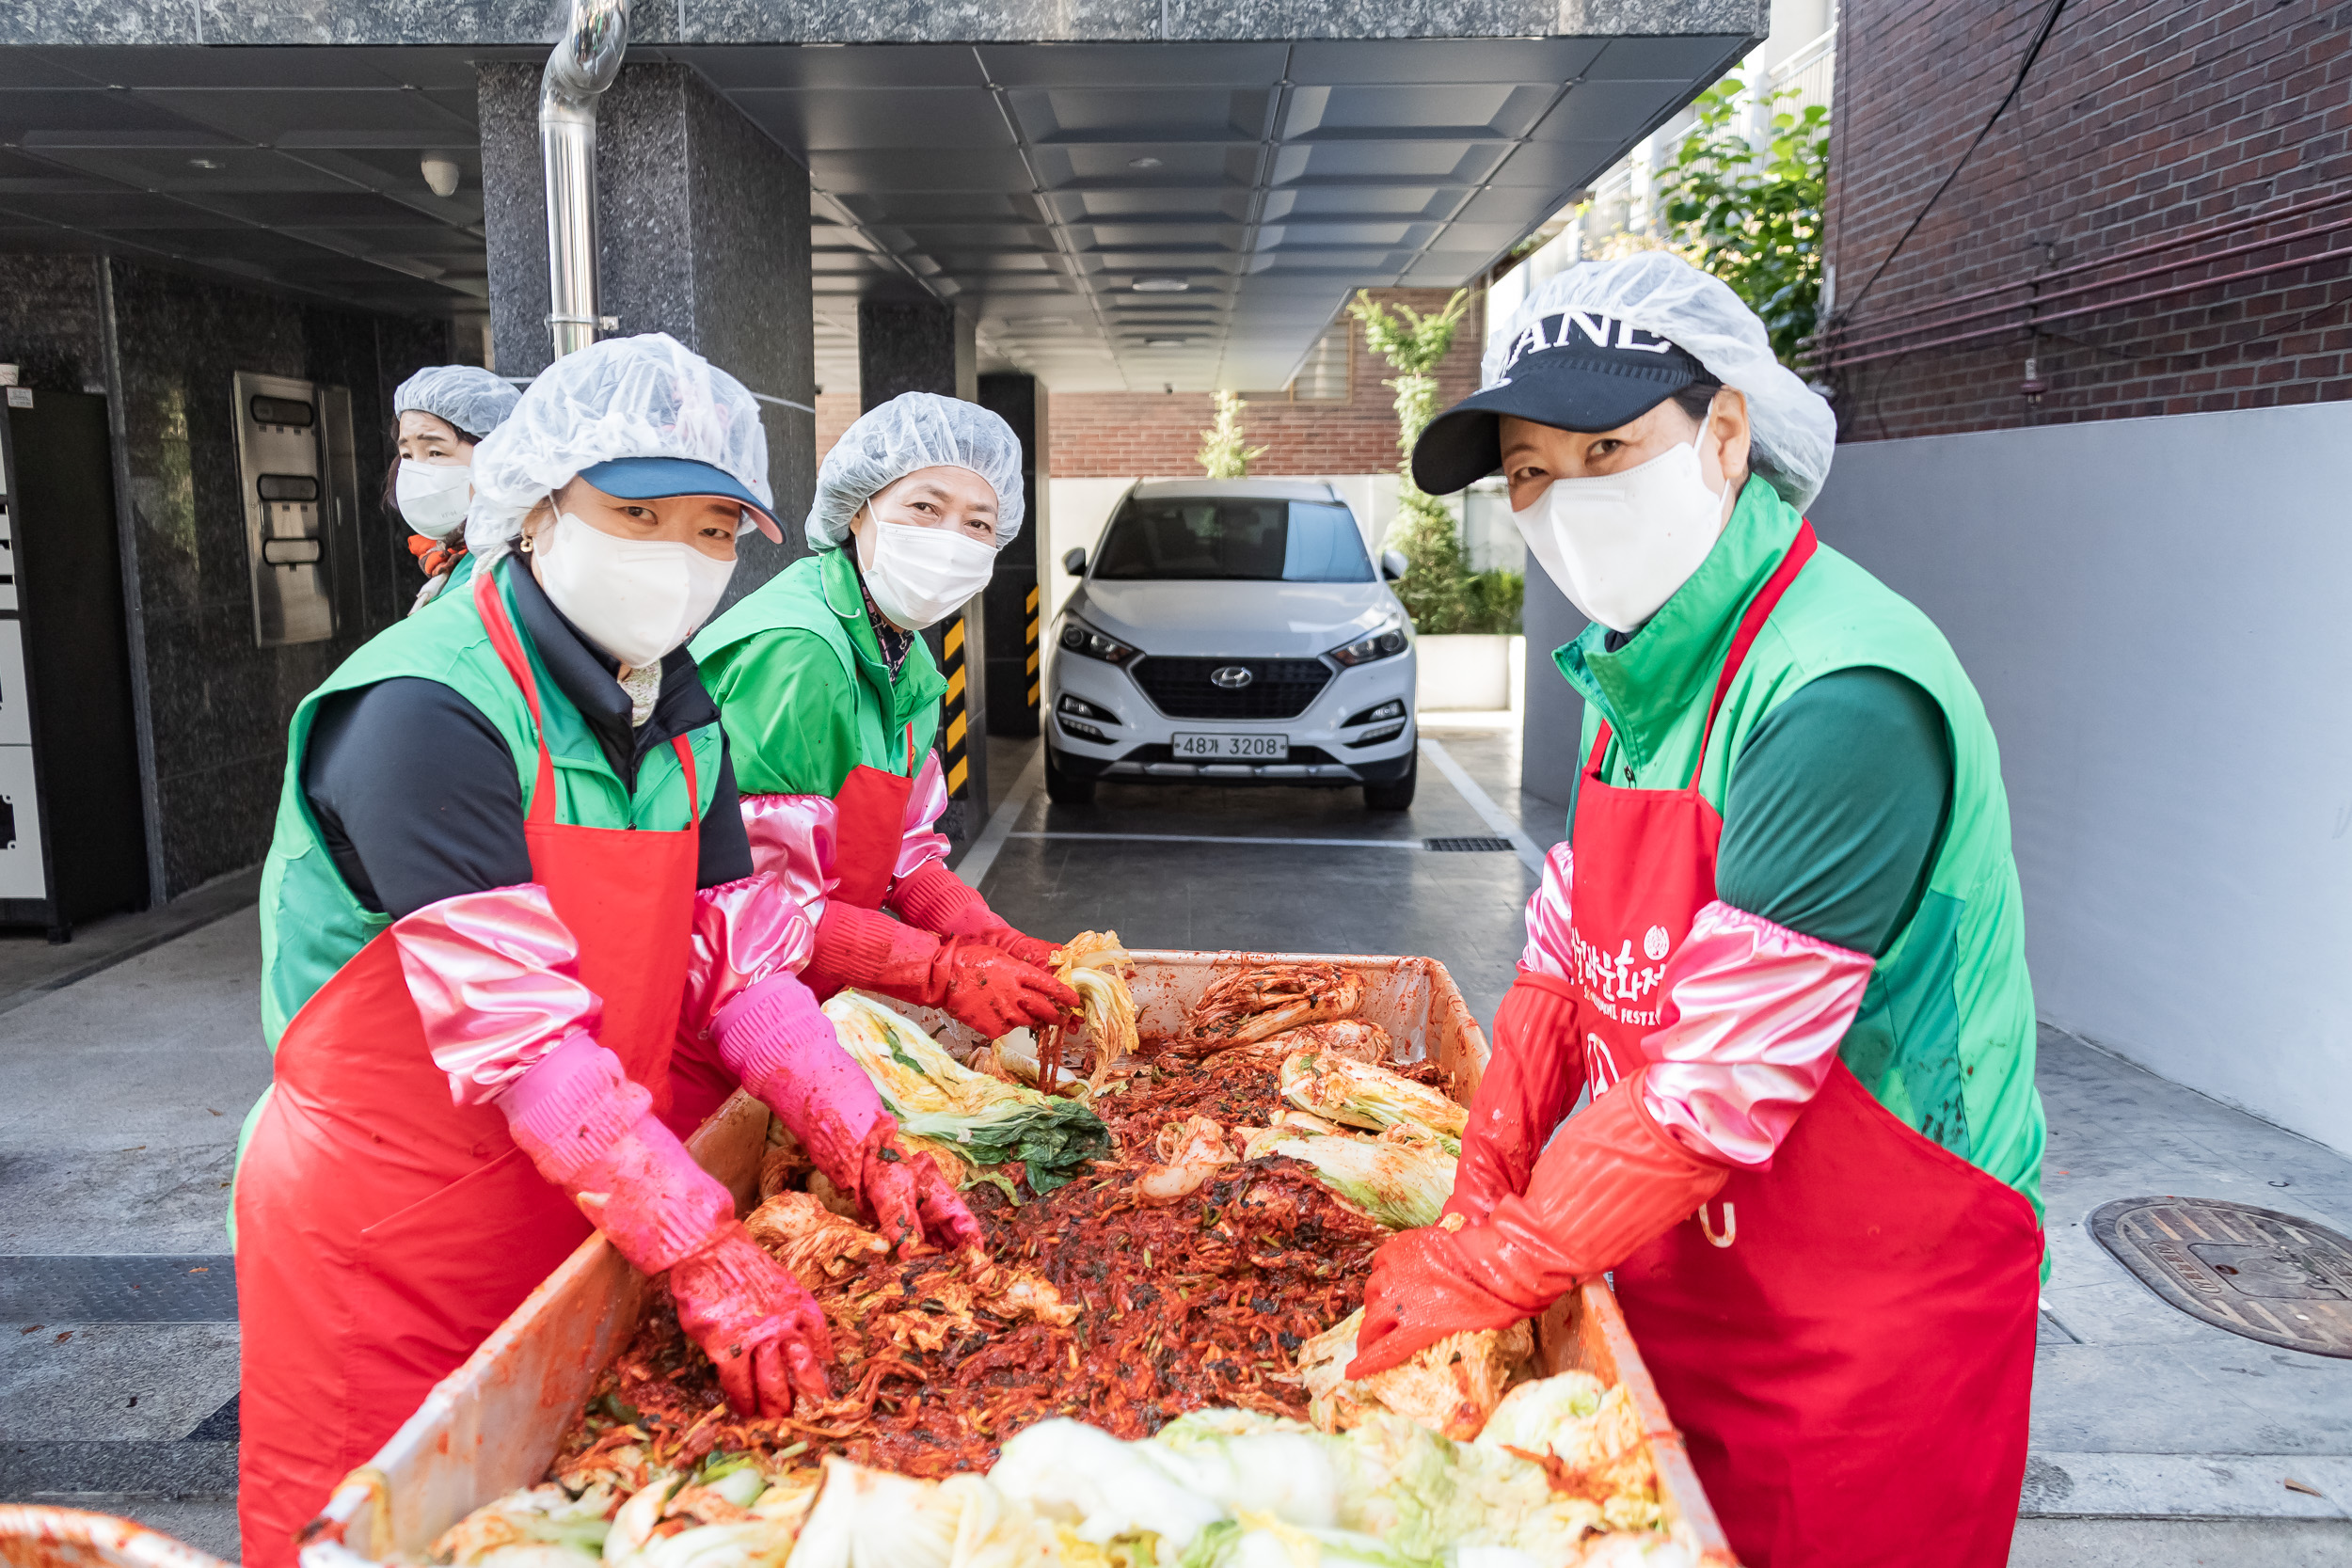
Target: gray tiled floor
x=109 y=1143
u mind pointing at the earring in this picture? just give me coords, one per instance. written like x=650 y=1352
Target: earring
x=524 y=547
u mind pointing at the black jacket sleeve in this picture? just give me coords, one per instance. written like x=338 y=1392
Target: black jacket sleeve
x=725 y=850
x=415 y=794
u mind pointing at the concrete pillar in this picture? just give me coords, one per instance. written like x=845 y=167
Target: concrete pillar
x=1013 y=673
x=914 y=346
x=926 y=346
x=1552 y=724
x=704 y=235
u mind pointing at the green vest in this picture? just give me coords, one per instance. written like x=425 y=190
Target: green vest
x=802 y=687
x=1945 y=1036
x=312 y=923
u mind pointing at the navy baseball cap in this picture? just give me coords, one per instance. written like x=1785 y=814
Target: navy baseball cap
x=646 y=479
x=1574 y=371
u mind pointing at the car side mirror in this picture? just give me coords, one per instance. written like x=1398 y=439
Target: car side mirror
x=1394 y=565
x=1074 y=563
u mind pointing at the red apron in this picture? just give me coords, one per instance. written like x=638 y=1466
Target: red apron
x=382 y=1231
x=1846 y=1335
x=869 y=824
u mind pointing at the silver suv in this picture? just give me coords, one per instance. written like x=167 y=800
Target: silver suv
x=1231 y=631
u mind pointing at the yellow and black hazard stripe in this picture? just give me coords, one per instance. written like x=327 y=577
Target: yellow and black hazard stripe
x=959 y=726
x=1029 y=648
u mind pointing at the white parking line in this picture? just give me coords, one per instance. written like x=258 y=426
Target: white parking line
x=1482 y=803
x=1222 y=838
x=977 y=860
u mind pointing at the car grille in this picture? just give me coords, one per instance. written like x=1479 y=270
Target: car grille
x=1277 y=689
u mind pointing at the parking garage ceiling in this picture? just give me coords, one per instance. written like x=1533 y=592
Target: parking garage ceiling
x=1113 y=215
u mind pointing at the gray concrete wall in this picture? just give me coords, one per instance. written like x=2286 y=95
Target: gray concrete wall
x=2154 y=611
x=733 y=21
x=211 y=707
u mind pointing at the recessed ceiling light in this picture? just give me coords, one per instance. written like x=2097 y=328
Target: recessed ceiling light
x=206 y=163
x=1161 y=285
x=1143 y=163
x=1165 y=342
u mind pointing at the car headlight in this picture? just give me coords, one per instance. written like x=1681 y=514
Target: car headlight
x=1079 y=638
x=1385 y=640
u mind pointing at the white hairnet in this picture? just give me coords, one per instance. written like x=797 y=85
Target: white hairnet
x=1792 y=429
x=624 y=397
x=470 y=398
x=914 y=430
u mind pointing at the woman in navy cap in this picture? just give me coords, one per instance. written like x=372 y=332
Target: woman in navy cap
x=1781 y=949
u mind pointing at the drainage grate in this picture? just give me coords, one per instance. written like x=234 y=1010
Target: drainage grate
x=2278 y=1278
x=1467 y=846
x=136 y=1288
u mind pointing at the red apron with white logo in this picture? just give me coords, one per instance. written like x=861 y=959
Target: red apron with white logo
x=1846 y=1335
x=383 y=1232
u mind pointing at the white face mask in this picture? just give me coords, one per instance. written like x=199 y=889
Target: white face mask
x=635 y=598
x=433 y=497
x=920 y=576
x=1620 y=545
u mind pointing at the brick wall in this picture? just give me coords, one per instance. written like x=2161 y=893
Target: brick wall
x=1111 y=434
x=2139 y=123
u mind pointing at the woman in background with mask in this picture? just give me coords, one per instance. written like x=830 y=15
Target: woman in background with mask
x=442 y=412
x=473 y=984
x=1781 y=949
x=831 y=703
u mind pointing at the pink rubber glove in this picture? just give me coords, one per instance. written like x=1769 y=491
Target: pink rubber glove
x=933 y=898
x=781 y=1046
x=590 y=1131
x=981 y=984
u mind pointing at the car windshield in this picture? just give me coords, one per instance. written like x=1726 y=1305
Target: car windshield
x=1233 y=538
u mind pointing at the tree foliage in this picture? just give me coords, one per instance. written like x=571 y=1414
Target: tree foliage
x=1752 y=215
x=1440 y=591
x=1225 y=452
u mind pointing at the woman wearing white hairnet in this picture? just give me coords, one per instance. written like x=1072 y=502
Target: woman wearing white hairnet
x=1781 y=948
x=442 y=413
x=831 y=703
x=509 y=881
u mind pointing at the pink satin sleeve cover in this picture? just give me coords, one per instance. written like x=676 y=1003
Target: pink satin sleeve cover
x=495 y=974
x=1757 y=1012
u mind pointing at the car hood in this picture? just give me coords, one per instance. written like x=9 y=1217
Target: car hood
x=1264 y=619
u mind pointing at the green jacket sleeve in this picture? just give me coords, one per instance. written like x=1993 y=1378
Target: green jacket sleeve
x=790 y=714
x=1834 y=809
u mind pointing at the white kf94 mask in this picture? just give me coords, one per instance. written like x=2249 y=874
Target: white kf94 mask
x=433 y=497
x=1619 y=544
x=635 y=598
x=919 y=575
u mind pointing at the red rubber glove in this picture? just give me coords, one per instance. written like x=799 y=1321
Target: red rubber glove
x=1612 y=1181
x=981 y=984
x=1533 y=1076
x=590 y=1131
x=782 y=1049
x=933 y=898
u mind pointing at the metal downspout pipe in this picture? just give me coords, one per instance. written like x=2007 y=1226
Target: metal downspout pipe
x=584 y=63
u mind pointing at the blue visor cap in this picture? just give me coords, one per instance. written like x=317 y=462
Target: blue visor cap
x=647 y=479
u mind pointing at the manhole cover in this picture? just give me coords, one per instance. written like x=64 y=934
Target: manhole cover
x=1467 y=845
x=2278 y=1278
